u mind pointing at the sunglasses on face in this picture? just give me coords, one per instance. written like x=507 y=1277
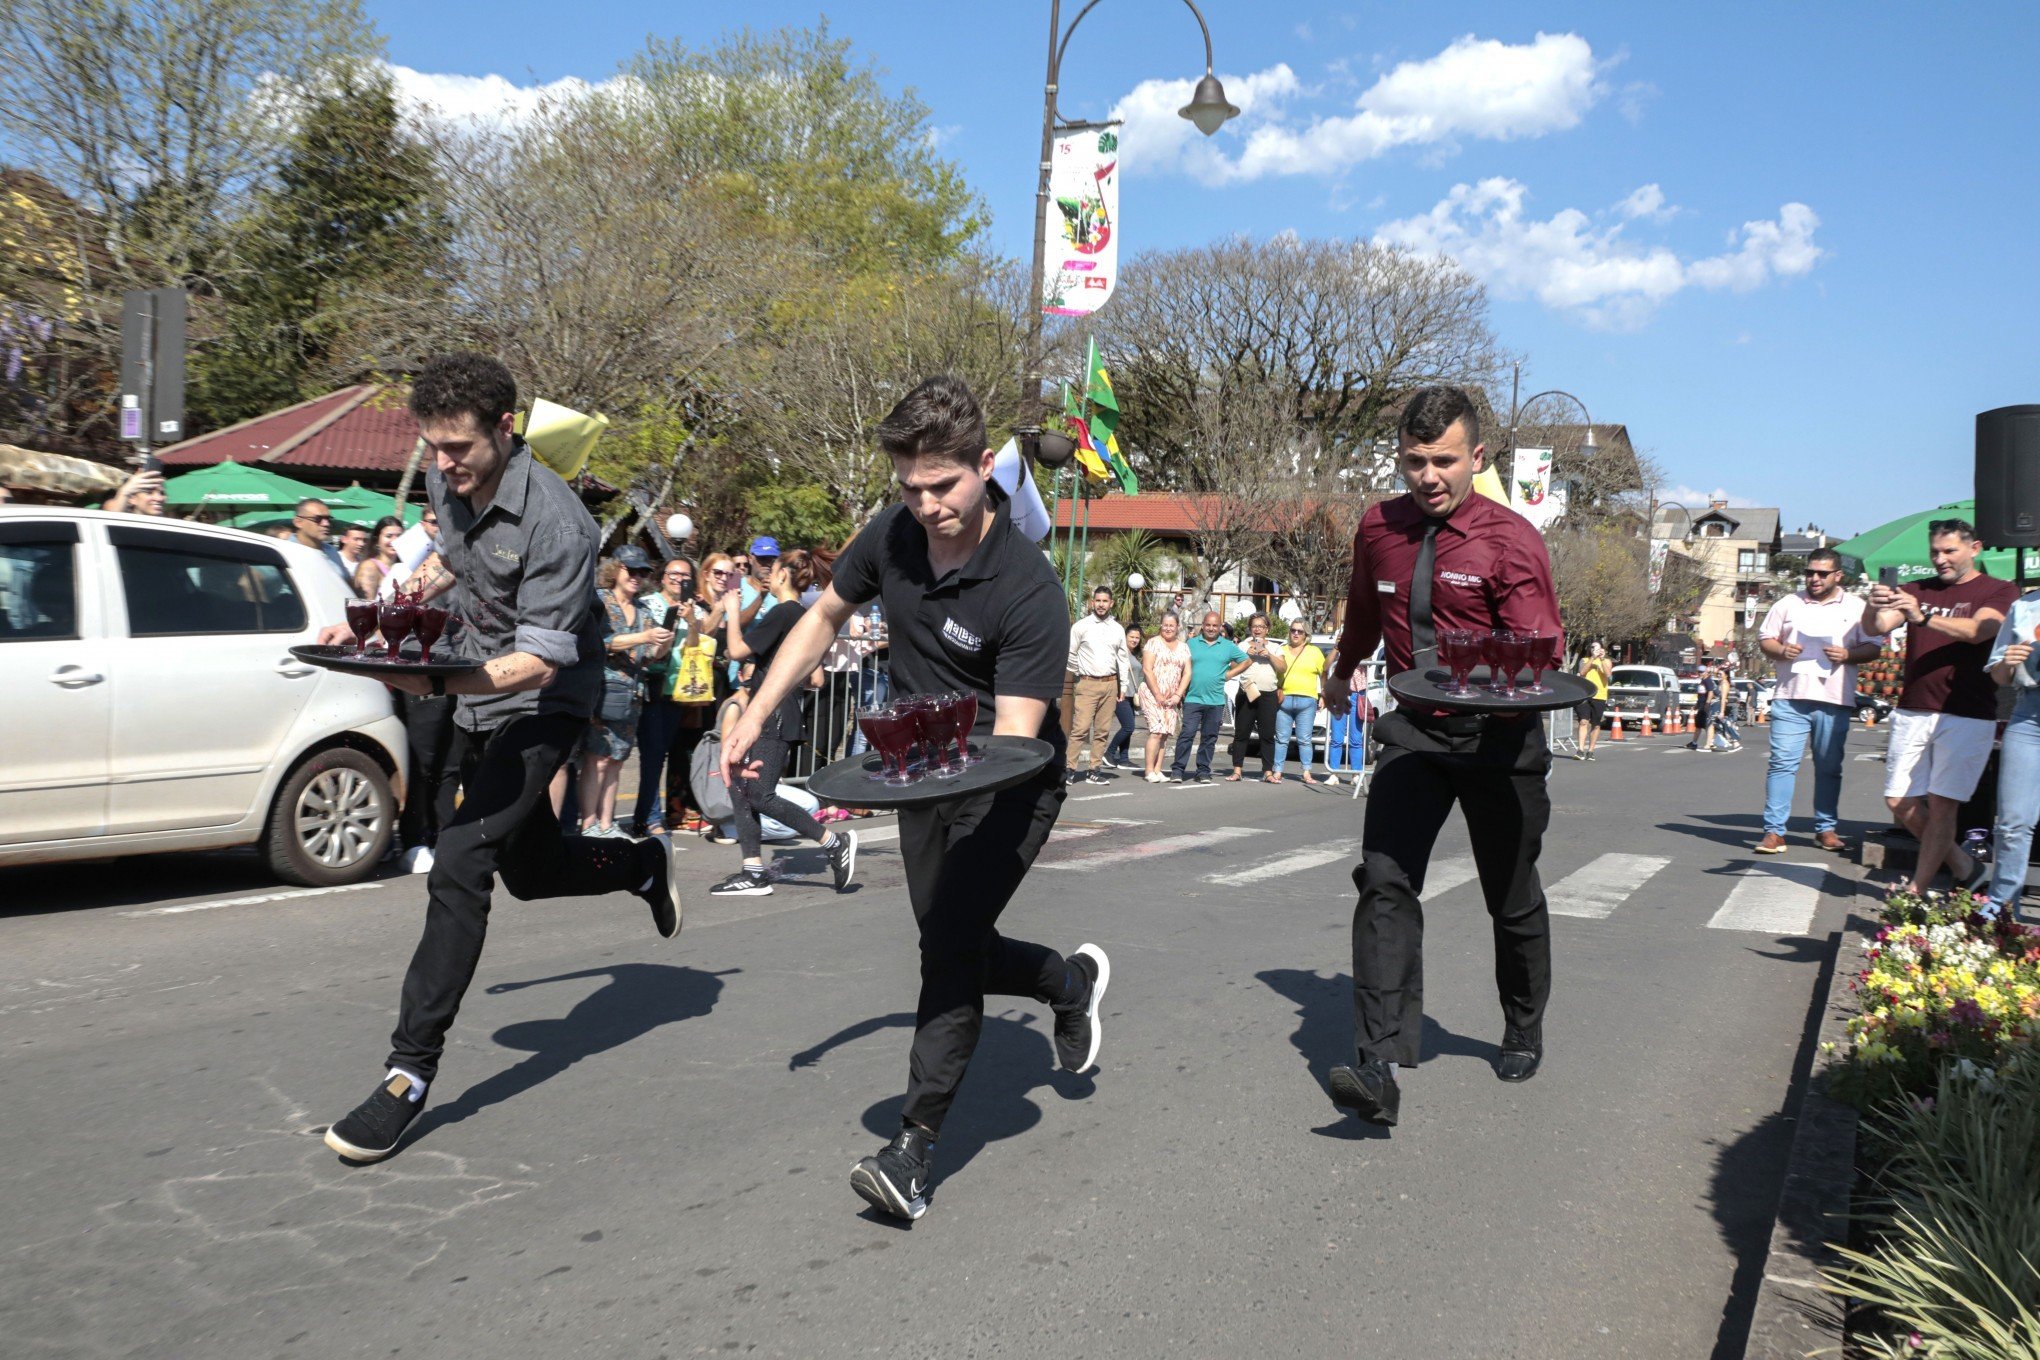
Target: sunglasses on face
x=1815 y=571
x=317 y=519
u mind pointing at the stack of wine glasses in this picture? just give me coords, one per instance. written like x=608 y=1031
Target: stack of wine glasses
x=1506 y=652
x=925 y=736
x=395 y=619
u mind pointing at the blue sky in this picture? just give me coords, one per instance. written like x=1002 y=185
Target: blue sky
x=1790 y=246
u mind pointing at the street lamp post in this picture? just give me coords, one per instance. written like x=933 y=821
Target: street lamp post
x=1207 y=108
x=1516 y=409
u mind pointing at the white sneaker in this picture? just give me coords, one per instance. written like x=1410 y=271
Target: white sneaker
x=1331 y=779
x=1157 y=779
x=418 y=860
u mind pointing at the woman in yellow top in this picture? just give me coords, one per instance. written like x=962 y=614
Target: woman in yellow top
x=1298 y=712
x=1595 y=670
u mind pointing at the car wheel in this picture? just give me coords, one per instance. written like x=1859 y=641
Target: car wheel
x=332 y=820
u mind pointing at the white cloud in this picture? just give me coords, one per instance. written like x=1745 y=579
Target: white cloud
x=1572 y=262
x=1475 y=88
x=1695 y=499
x=1649 y=201
x=483 y=99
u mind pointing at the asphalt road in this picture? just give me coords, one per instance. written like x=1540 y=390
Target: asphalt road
x=641 y=1149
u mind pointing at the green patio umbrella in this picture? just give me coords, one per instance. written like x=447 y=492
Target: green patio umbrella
x=1902 y=543
x=357 y=504
x=236 y=486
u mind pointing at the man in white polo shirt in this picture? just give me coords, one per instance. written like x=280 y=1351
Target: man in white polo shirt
x=1817 y=636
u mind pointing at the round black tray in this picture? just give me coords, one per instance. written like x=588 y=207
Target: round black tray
x=375 y=665
x=1421 y=687
x=1007 y=761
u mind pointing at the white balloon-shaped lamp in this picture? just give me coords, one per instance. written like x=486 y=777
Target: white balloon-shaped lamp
x=679 y=528
x=1135 y=581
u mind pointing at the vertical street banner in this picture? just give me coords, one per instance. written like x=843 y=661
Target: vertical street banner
x=1659 y=547
x=1080 y=257
x=1530 y=493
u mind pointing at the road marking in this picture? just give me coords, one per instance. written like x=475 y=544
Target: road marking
x=1165 y=845
x=1448 y=874
x=1284 y=865
x=1777 y=899
x=1596 y=889
x=258 y=900
x=1077 y=831
x=1094 y=797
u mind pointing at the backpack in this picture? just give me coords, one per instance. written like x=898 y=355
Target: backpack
x=704 y=773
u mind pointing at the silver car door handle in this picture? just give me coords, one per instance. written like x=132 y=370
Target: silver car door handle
x=293 y=668
x=74 y=677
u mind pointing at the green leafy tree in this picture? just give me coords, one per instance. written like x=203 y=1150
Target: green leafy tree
x=798 y=516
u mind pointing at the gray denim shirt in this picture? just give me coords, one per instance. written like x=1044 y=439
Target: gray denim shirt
x=525 y=568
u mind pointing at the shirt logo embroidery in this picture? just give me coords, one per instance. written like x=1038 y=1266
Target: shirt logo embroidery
x=506 y=555
x=962 y=636
x=1462 y=578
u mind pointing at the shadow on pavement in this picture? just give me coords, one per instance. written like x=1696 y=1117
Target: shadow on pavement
x=1749 y=1172
x=1324 y=1035
x=1013 y=1059
x=638 y=998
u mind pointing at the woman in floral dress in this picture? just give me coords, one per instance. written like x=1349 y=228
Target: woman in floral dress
x=1166 y=662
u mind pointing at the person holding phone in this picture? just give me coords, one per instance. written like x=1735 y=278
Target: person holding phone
x=1817 y=636
x=2018 y=791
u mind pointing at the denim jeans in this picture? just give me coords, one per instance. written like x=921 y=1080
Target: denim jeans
x=1200 y=724
x=1296 y=715
x=1796 y=723
x=1346 y=742
x=1122 y=740
x=2018 y=801
x=874 y=690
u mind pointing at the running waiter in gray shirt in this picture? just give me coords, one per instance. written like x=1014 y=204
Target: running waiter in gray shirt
x=520 y=550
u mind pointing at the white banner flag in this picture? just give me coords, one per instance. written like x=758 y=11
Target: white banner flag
x=1659 y=547
x=1080 y=258
x=1530 y=491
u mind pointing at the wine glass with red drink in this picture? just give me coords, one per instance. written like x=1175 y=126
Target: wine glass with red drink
x=397 y=617
x=1538 y=652
x=966 y=723
x=890 y=730
x=1506 y=651
x=939 y=722
x=361 y=622
x=1456 y=649
x=430 y=624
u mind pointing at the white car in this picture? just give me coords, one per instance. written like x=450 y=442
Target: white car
x=153 y=703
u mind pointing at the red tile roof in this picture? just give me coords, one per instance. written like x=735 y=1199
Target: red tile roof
x=1164 y=513
x=364 y=428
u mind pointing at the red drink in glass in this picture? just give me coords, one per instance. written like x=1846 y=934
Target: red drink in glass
x=1506 y=655
x=396 y=618
x=361 y=621
x=966 y=723
x=431 y=623
x=892 y=732
x=1539 y=648
x=1457 y=650
x=938 y=721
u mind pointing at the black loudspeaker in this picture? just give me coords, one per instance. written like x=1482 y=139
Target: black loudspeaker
x=2008 y=477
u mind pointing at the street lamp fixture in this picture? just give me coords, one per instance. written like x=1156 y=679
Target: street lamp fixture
x=1208 y=107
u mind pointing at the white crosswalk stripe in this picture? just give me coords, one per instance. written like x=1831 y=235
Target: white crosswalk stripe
x=1777 y=899
x=1097 y=828
x=1161 y=846
x=1284 y=865
x=1597 y=888
x=1447 y=874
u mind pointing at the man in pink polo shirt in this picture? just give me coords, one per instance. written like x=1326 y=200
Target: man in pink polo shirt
x=1817 y=637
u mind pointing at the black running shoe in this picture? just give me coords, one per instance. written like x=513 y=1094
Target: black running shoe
x=743 y=883
x=1369 y=1091
x=661 y=856
x=1077 y=1031
x=895 y=1179
x=843 y=858
x=371 y=1132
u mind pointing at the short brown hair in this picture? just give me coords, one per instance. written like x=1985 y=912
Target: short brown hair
x=938 y=419
x=1431 y=411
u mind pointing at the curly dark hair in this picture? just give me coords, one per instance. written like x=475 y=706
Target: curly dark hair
x=448 y=385
x=1431 y=411
x=938 y=419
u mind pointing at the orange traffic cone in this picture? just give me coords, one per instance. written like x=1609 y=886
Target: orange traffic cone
x=1616 y=734
x=1646 y=726
x=1672 y=723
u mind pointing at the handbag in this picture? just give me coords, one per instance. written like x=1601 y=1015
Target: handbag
x=620 y=697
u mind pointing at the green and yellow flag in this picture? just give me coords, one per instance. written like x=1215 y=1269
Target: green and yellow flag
x=1105 y=420
x=1087 y=451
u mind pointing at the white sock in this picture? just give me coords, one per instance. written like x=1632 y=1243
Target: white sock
x=828 y=840
x=418 y=1083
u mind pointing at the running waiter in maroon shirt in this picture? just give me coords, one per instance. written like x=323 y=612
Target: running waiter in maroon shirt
x=1443 y=557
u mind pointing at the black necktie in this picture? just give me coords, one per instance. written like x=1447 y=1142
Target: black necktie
x=1422 y=637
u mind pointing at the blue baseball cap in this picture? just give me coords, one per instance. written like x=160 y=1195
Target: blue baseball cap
x=764 y=546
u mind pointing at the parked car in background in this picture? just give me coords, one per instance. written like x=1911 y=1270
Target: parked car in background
x=153 y=703
x=1877 y=704
x=1634 y=691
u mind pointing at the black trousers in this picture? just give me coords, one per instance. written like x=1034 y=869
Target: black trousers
x=1495 y=771
x=505 y=826
x=750 y=797
x=964 y=862
x=435 y=773
x=1251 y=716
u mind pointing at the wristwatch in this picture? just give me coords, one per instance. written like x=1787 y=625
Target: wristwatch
x=439 y=687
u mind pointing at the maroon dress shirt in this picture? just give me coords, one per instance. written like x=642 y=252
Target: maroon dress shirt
x=1491 y=571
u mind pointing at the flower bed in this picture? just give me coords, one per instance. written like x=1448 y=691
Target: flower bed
x=1947 y=983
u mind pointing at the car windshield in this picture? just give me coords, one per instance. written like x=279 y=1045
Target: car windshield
x=1631 y=675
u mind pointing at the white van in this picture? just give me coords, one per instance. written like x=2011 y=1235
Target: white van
x=152 y=702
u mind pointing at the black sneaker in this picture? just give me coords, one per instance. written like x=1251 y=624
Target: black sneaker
x=895 y=1179
x=1202 y=779
x=1369 y=1091
x=371 y=1132
x=743 y=883
x=1098 y=776
x=1175 y=776
x=661 y=856
x=843 y=858
x=1077 y=1031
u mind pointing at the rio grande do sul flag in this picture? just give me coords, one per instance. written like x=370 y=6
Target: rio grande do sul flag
x=1080 y=252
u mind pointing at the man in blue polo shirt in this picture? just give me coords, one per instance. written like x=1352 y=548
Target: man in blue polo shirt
x=1214 y=659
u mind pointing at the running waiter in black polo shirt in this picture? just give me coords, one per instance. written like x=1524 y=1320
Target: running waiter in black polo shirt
x=972 y=605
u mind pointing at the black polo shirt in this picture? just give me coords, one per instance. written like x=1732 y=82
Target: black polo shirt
x=996 y=625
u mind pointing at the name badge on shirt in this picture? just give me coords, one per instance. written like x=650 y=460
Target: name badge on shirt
x=1385 y=587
